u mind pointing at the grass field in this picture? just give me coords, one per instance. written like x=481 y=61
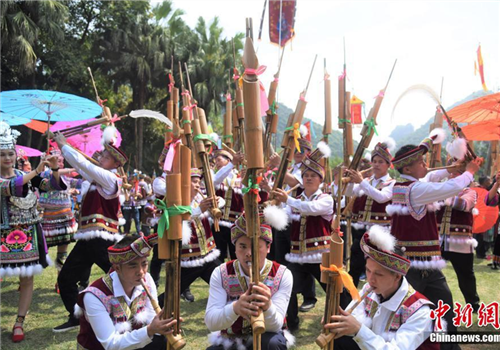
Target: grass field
x=47 y=311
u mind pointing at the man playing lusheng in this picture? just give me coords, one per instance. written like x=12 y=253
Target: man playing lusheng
x=233 y=300
x=393 y=315
x=117 y=313
x=414 y=221
x=98 y=226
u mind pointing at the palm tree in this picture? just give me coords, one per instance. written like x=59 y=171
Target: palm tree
x=139 y=53
x=211 y=66
x=22 y=24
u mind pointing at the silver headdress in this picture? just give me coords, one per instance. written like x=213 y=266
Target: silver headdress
x=8 y=137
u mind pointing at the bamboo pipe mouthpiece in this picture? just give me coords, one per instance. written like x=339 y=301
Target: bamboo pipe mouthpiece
x=324 y=339
x=216 y=213
x=258 y=324
x=177 y=342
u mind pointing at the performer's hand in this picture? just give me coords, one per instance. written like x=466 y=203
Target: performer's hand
x=238 y=158
x=474 y=166
x=60 y=139
x=244 y=307
x=161 y=326
x=274 y=160
x=41 y=166
x=206 y=204
x=355 y=176
x=343 y=324
x=264 y=184
x=53 y=162
x=280 y=195
x=261 y=296
x=497 y=178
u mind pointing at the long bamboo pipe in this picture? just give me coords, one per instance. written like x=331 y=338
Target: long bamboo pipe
x=177 y=342
x=324 y=339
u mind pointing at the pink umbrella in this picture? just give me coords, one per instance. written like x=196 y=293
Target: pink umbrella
x=89 y=142
x=30 y=152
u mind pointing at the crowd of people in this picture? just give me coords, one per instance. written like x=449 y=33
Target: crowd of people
x=403 y=232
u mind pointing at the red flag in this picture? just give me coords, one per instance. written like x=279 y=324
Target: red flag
x=308 y=126
x=481 y=68
x=356 y=109
x=287 y=16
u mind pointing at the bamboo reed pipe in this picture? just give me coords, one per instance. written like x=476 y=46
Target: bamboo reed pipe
x=324 y=339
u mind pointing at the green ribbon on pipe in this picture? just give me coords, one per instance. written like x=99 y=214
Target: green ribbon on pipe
x=164 y=222
x=251 y=186
x=204 y=137
x=370 y=123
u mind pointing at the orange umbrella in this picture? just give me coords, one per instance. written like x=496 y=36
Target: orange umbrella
x=487 y=216
x=478 y=110
x=483 y=131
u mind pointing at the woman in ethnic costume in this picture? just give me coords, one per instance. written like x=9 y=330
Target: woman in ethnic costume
x=23 y=249
x=59 y=223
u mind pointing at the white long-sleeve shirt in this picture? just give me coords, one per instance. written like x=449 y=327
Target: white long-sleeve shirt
x=423 y=192
x=368 y=186
x=102 y=325
x=409 y=336
x=319 y=207
x=226 y=172
x=91 y=172
x=220 y=313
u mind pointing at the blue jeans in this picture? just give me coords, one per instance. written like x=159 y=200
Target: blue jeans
x=129 y=215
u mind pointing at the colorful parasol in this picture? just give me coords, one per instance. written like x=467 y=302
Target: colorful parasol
x=483 y=131
x=89 y=142
x=12 y=120
x=478 y=110
x=27 y=151
x=487 y=216
x=48 y=105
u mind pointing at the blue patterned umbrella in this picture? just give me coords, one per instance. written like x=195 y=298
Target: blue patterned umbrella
x=48 y=105
x=12 y=120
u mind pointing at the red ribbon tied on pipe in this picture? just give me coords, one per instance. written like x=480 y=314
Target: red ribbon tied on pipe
x=258 y=71
x=171 y=84
x=190 y=109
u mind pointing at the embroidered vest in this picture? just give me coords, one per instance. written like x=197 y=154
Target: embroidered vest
x=367 y=210
x=416 y=232
x=117 y=308
x=201 y=243
x=234 y=201
x=100 y=211
x=455 y=223
x=412 y=301
x=235 y=285
x=309 y=233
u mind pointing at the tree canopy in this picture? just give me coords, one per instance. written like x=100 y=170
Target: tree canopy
x=129 y=45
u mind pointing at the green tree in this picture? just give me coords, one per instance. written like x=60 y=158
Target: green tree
x=23 y=23
x=211 y=65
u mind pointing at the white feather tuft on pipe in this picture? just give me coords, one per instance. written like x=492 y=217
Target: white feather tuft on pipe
x=324 y=149
x=440 y=135
x=146 y=113
x=457 y=148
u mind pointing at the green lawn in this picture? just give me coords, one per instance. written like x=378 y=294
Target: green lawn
x=47 y=311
